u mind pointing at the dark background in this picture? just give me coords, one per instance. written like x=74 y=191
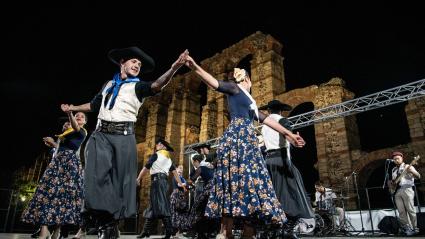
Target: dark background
x=58 y=55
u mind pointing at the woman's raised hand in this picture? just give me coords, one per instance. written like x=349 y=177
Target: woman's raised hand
x=296 y=140
x=180 y=61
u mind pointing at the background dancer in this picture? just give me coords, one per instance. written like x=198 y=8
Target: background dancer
x=159 y=165
x=208 y=159
x=58 y=198
x=179 y=204
x=202 y=225
x=287 y=180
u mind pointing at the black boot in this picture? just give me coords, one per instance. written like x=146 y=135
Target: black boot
x=64 y=232
x=146 y=228
x=36 y=233
x=108 y=231
x=143 y=235
x=168 y=227
x=201 y=235
x=290 y=235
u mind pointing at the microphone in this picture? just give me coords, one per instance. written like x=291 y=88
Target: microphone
x=390 y=160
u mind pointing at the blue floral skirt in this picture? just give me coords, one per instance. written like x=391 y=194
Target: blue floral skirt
x=59 y=195
x=242 y=186
x=179 y=209
x=197 y=212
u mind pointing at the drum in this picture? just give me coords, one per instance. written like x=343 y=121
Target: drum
x=326 y=205
x=324 y=224
x=320 y=225
x=305 y=226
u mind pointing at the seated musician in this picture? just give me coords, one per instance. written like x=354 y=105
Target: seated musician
x=325 y=201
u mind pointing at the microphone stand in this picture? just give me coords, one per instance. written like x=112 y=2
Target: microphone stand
x=387 y=162
x=358 y=200
x=386 y=173
x=346 y=224
x=387 y=166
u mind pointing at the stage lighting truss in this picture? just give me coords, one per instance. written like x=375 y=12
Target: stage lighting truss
x=369 y=102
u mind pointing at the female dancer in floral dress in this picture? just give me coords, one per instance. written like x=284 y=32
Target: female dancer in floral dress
x=242 y=186
x=58 y=198
x=179 y=204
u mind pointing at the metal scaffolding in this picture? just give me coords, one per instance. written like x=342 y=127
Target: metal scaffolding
x=369 y=102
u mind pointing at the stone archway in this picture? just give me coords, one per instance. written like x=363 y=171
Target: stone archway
x=371 y=178
x=265 y=61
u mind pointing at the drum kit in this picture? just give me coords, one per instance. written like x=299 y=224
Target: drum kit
x=326 y=221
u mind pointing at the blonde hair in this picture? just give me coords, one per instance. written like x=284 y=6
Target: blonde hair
x=239 y=75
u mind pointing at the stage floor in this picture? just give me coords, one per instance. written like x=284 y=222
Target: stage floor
x=27 y=236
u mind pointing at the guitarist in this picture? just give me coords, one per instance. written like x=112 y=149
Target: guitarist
x=404 y=193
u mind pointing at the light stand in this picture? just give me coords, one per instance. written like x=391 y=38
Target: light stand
x=358 y=200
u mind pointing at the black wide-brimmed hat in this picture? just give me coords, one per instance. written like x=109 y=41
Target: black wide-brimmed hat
x=166 y=144
x=148 y=64
x=276 y=105
x=202 y=145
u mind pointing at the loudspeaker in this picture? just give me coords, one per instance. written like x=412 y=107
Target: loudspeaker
x=389 y=225
x=420 y=217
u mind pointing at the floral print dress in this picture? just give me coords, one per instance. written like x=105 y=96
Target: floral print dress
x=242 y=186
x=59 y=195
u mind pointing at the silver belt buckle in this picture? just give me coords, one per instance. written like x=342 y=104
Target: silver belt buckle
x=110 y=127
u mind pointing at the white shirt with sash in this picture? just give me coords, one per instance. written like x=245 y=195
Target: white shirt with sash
x=126 y=105
x=162 y=163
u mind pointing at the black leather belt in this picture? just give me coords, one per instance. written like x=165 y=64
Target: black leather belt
x=157 y=176
x=121 y=128
x=275 y=152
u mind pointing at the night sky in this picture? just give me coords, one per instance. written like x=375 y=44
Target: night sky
x=58 y=55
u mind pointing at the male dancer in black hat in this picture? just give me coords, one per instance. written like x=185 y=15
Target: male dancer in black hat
x=111 y=155
x=286 y=178
x=208 y=160
x=204 y=149
x=159 y=165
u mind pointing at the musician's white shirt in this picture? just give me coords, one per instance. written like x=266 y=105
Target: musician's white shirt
x=324 y=201
x=408 y=180
x=328 y=194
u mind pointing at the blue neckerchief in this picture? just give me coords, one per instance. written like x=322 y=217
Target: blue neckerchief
x=182 y=179
x=115 y=88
